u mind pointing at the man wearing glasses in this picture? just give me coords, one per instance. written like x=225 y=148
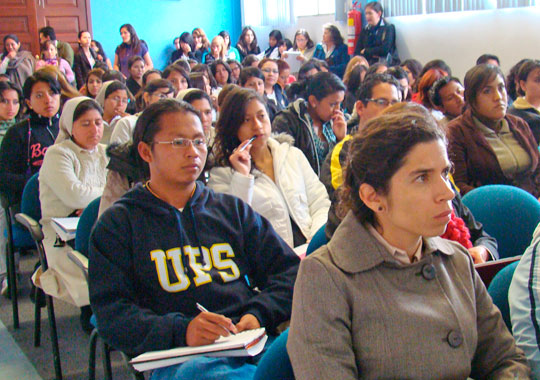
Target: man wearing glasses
x=171 y=243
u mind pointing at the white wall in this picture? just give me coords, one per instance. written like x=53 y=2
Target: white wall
x=458 y=37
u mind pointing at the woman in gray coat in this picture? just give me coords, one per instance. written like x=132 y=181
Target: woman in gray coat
x=387 y=298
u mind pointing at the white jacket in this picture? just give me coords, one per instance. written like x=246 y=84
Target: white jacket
x=297 y=191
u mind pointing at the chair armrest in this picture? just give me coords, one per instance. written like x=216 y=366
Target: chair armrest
x=31 y=225
x=80 y=260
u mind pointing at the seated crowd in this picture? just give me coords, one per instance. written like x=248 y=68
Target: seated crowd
x=216 y=173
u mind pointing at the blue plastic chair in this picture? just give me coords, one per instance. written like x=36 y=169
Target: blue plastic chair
x=318 y=240
x=498 y=290
x=86 y=223
x=508 y=213
x=275 y=363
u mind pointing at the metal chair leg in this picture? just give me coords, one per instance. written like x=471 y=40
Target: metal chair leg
x=37 y=318
x=54 y=338
x=92 y=357
x=107 y=360
x=12 y=273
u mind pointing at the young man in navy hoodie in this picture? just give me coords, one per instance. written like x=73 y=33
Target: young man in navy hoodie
x=171 y=243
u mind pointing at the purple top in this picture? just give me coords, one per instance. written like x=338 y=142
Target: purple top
x=128 y=53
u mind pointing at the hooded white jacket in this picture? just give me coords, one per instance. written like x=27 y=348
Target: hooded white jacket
x=297 y=192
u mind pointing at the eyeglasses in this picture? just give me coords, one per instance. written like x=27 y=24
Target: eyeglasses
x=383 y=102
x=268 y=71
x=182 y=143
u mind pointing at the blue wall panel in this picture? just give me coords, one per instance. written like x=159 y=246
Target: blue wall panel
x=159 y=21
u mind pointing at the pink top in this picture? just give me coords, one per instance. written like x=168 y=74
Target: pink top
x=64 y=67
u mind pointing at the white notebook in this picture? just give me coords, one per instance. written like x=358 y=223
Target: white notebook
x=246 y=343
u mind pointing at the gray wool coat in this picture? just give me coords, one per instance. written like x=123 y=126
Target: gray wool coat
x=360 y=314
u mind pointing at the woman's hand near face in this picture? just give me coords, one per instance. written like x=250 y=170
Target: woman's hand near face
x=241 y=158
x=339 y=125
x=479 y=254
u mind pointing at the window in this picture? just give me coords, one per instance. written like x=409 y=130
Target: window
x=417 y=7
x=314 y=7
x=268 y=12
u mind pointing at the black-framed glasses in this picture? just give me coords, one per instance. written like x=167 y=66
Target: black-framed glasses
x=182 y=143
x=383 y=102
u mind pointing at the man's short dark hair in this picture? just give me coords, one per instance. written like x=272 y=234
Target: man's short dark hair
x=365 y=91
x=434 y=91
x=484 y=58
x=48 y=31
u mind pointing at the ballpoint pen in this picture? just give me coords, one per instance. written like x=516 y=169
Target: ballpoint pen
x=205 y=310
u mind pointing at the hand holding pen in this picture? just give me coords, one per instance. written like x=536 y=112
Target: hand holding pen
x=240 y=159
x=206 y=327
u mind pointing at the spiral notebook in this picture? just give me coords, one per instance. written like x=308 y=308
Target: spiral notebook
x=246 y=343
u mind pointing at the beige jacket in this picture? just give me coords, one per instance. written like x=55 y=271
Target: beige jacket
x=360 y=314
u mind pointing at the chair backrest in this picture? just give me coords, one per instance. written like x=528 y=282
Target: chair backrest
x=498 y=290
x=508 y=213
x=30 y=204
x=86 y=223
x=318 y=240
x=275 y=363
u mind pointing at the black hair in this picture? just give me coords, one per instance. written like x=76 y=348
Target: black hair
x=196 y=94
x=308 y=66
x=134 y=41
x=100 y=49
x=48 y=31
x=113 y=75
x=187 y=38
x=115 y=86
x=81 y=33
x=523 y=73
x=204 y=68
x=477 y=78
x=286 y=42
x=180 y=70
x=304 y=33
x=224 y=34
x=148 y=125
x=513 y=81
x=435 y=64
x=355 y=78
x=323 y=84
x=132 y=60
x=249 y=59
x=373 y=68
x=214 y=65
x=484 y=58
x=379 y=150
x=365 y=91
x=10 y=37
x=149 y=72
x=242 y=43
x=231 y=118
x=335 y=34
x=250 y=72
x=183 y=64
x=4 y=86
x=434 y=91
x=276 y=34
x=414 y=66
x=41 y=76
x=85 y=106
x=150 y=88
x=197 y=81
x=377 y=7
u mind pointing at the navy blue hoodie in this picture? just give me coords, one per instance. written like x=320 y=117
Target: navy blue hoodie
x=144 y=286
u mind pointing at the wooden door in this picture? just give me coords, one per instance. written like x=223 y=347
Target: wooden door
x=19 y=17
x=67 y=17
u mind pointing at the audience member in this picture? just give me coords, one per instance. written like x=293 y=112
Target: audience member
x=446 y=95
x=113 y=98
x=354 y=81
x=150 y=75
x=377 y=68
x=49 y=56
x=317 y=123
x=218 y=50
x=355 y=61
x=413 y=69
x=72 y=175
x=17 y=64
x=187 y=47
x=527 y=105
x=486 y=144
x=136 y=72
x=94 y=81
x=303 y=44
x=10 y=106
x=267 y=172
x=247 y=43
x=512 y=80
x=283 y=46
x=403 y=79
x=221 y=72
x=250 y=60
x=177 y=51
x=386 y=268
x=489 y=59
x=284 y=77
x=96 y=45
x=130 y=46
x=425 y=83
x=273 y=39
x=236 y=67
x=523 y=303
x=177 y=76
x=85 y=58
x=231 y=53
x=252 y=77
x=25 y=143
x=140 y=305
x=333 y=50
x=202 y=45
x=272 y=90
x=377 y=41
x=64 y=49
